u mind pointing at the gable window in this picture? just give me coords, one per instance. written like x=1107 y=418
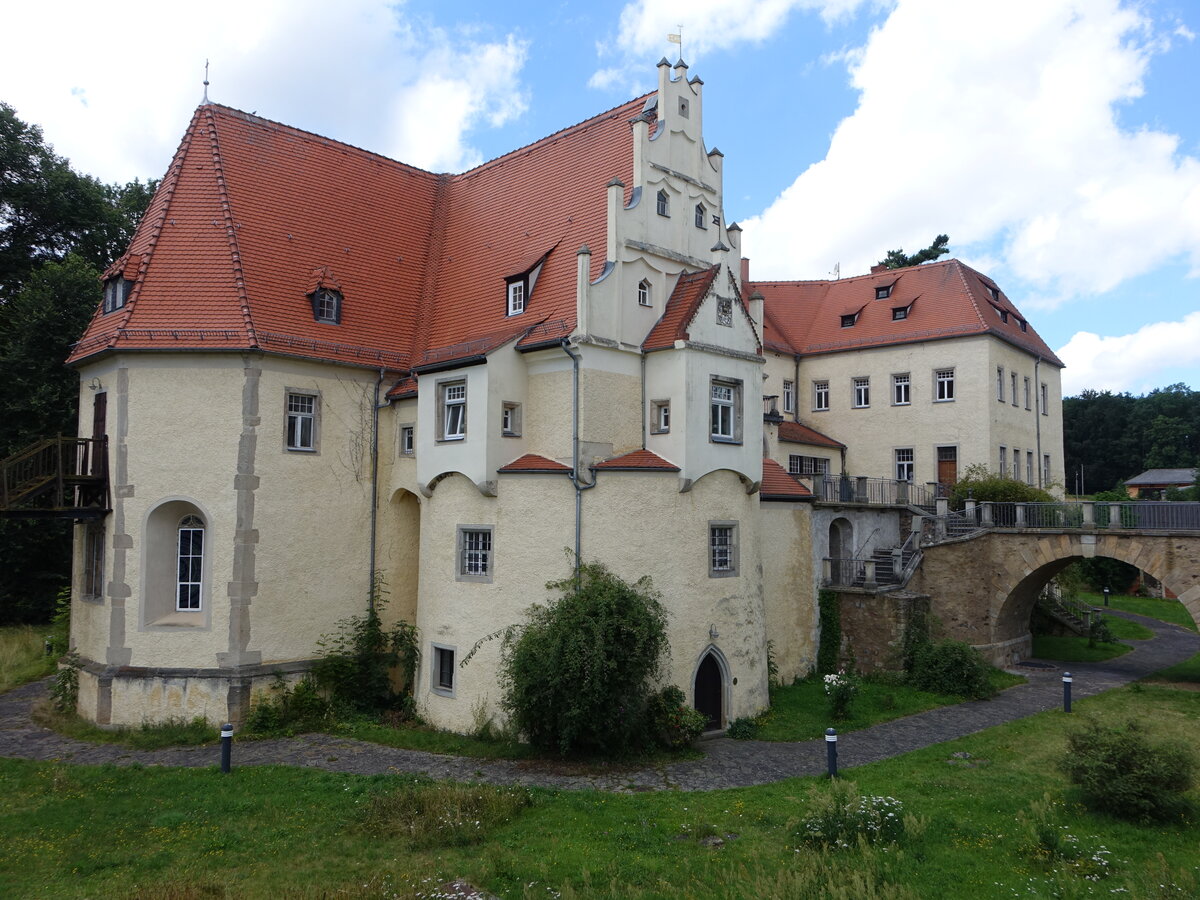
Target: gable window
x=663 y=204
x=904 y=464
x=807 y=465
x=510 y=419
x=722 y=549
x=116 y=292
x=408 y=444
x=643 y=292
x=820 y=396
x=660 y=416
x=452 y=421
x=901 y=390
x=1013 y=387
x=1000 y=383
x=725 y=407
x=882 y=293
x=862 y=393
x=516 y=297
x=701 y=217
x=943 y=380
x=190 y=563
x=899 y=313
x=442 y=676
x=725 y=311
x=474 y=553
x=93 y=561
x=1027 y=392
x=789 y=396
x=849 y=319
x=301 y=421
x=327 y=306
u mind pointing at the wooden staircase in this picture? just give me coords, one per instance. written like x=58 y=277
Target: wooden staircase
x=58 y=478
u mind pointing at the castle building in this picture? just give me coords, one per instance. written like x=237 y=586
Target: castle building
x=317 y=368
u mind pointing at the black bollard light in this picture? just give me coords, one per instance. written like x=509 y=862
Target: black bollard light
x=226 y=746
x=831 y=751
x=1106 y=596
x=1066 y=692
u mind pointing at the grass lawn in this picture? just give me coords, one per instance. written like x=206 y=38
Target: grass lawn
x=1072 y=648
x=800 y=711
x=79 y=831
x=22 y=655
x=1164 y=610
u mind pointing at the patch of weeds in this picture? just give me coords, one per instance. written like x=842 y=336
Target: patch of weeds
x=840 y=818
x=1046 y=842
x=64 y=691
x=427 y=814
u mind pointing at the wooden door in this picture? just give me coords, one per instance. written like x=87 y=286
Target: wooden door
x=947 y=468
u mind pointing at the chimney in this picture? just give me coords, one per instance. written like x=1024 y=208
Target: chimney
x=582 y=284
x=616 y=197
x=745 y=270
x=875 y=270
x=756 y=310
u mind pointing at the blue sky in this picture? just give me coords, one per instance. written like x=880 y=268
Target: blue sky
x=1057 y=142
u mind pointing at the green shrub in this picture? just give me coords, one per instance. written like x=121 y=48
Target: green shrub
x=983 y=485
x=1119 y=770
x=289 y=709
x=743 y=729
x=673 y=720
x=950 y=667
x=578 y=675
x=64 y=691
x=840 y=818
x=841 y=688
x=1050 y=844
x=423 y=814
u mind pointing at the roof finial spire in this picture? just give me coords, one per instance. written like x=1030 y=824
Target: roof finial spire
x=205 y=100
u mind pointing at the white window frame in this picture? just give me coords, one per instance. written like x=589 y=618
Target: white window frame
x=302 y=413
x=516 y=293
x=116 y=292
x=820 y=396
x=510 y=419
x=662 y=204
x=1000 y=383
x=475 y=553
x=789 y=396
x=725 y=410
x=905 y=459
x=327 y=306
x=440 y=672
x=1013 y=386
x=1016 y=464
x=1003 y=461
x=643 y=292
x=723 y=549
x=408 y=439
x=1045 y=469
x=807 y=465
x=1045 y=395
x=901 y=390
x=660 y=416
x=861 y=388
x=452 y=410
x=1028 y=391
x=189 y=564
x=943 y=386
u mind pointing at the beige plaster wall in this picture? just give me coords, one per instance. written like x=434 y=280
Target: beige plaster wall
x=789 y=586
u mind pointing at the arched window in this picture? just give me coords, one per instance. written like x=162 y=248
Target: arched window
x=643 y=293
x=701 y=218
x=664 y=204
x=189 y=563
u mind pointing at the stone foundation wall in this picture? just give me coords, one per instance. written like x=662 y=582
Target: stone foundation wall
x=873 y=627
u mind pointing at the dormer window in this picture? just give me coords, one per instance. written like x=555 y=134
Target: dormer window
x=882 y=293
x=1003 y=315
x=663 y=204
x=116 y=292
x=849 y=319
x=899 y=313
x=327 y=305
x=516 y=297
x=643 y=292
x=700 y=216
x=994 y=293
x=1024 y=324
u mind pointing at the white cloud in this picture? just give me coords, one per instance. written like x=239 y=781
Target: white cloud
x=995 y=123
x=114 y=84
x=1130 y=362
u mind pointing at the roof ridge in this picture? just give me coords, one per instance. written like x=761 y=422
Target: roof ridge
x=239 y=274
x=899 y=271
x=553 y=136
x=958 y=269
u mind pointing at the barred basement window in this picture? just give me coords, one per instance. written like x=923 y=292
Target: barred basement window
x=722 y=549
x=474 y=553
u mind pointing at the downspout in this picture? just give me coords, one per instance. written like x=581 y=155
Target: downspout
x=580 y=486
x=374 y=484
x=643 y=398
x=1037 y=419
x=796 y=391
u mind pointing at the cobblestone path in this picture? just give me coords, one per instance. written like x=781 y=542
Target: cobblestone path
x=726 y=763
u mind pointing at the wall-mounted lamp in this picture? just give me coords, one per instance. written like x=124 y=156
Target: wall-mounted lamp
x=95 y=384
x=713 y=634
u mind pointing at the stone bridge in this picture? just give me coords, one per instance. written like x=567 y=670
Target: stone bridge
x=982 y=587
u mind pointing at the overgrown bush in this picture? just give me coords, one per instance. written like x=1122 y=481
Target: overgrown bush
x=841 y=688
x=1048 y=843
x=982 y=485
x=289 y=709
x=840 y=818
x=64 y=690
x=830 y=647
x=743 y=729
x=579 y=674
x=1121 y=771
x=675 y=723
x=950 y=667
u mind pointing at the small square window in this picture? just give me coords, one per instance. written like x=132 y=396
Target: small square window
x=660 y=416
x=994 y=293
x=301 y=421
x=820 y=396
x=408 y=444
x=722 y=549
x=474 y=553
x=1024 y=325
x=516 y=297
x=510 y=419
x=442 y=677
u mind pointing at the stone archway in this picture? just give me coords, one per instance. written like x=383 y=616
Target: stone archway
x=841 y=538
x=402 y=555
x=710 y=688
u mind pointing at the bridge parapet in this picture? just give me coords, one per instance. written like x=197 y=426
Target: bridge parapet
x=1084 y=516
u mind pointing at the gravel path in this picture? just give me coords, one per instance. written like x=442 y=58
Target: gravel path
x=726 y=763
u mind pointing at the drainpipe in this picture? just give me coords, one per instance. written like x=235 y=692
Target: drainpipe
x=644 y=410
x=580 y=486
x=1037 y=419
x=375 y=407
x=796 y=392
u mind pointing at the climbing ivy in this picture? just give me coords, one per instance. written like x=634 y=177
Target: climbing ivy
x=829 y=649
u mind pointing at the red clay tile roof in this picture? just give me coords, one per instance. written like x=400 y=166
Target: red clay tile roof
x=777 y=484
x=253 y=214
x=795 y=433
x=404 y=388
x=944 y=299
x=681 y=308
x=531 y=462
x=638 y=460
